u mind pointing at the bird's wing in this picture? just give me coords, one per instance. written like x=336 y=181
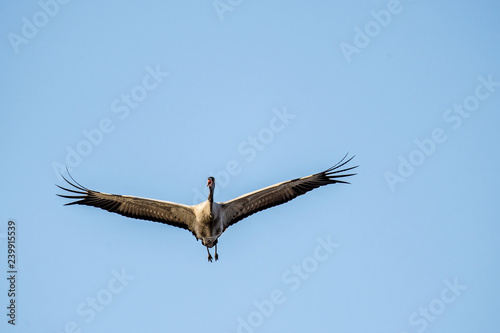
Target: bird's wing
x=177 y=215
x=251 y=203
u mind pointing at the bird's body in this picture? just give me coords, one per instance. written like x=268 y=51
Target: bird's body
x=209 y=219
x=208 y=226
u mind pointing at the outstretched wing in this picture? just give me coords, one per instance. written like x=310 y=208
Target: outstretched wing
x=251 y=203
x=177 y=215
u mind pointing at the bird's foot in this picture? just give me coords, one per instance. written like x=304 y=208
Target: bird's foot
x=210 y=257
x=216 y=257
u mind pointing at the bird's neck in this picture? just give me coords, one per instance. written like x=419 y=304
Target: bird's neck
x=211 y=199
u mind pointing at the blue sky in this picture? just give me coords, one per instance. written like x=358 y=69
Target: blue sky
x=151 y=98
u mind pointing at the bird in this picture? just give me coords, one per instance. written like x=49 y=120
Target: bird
x=209 y=219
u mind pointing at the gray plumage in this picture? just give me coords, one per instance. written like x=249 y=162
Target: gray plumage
x=207 y=220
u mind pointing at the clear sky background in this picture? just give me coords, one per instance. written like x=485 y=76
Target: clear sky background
x=151 y=98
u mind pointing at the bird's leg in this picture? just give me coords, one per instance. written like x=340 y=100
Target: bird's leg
x=216 y=255
x=209 y=255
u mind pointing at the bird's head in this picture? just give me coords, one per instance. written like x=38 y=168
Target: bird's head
x=211 y=183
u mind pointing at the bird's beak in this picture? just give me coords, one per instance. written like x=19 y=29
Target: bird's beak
x=209 y=182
